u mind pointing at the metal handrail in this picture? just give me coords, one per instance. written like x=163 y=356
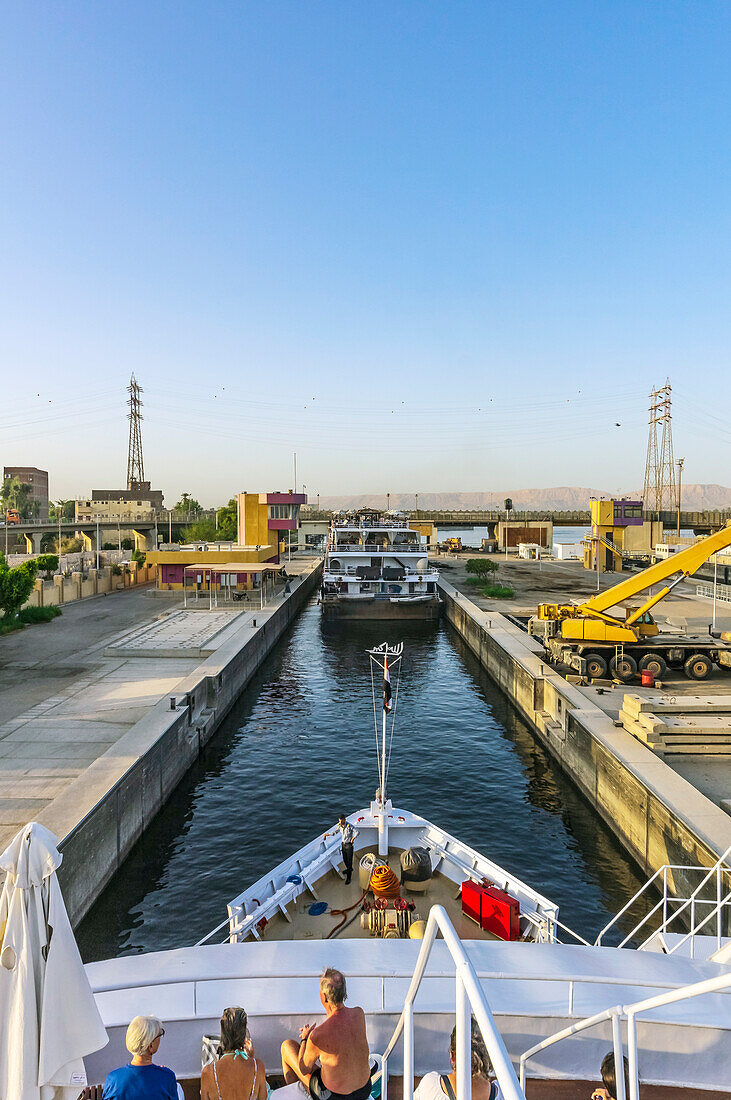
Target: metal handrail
x=470 y=997
x=697 y=989
x=663 y=903
x=628 y=905
x=540 y=924
x=368 y=547
x=371 y=524
x=616 y=1013
x=691 y=901
x=717 y=909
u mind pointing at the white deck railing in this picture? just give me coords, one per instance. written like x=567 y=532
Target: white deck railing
x=694 y=906
x=470 y=1000
x=629 y=1012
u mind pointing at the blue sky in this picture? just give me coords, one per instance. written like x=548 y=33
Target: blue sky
x=428 y=246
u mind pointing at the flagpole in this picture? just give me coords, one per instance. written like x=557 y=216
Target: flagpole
x=383 y=743
x=379 y=655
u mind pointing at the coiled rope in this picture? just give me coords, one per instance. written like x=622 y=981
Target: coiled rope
x=384 y=882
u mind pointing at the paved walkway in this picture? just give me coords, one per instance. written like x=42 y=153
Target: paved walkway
x=64 y=703
x=179 y=634
x=41 y=661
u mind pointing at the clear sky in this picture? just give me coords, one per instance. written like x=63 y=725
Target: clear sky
x=428 y=246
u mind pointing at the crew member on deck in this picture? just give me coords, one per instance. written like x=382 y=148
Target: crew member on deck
x=349 y=835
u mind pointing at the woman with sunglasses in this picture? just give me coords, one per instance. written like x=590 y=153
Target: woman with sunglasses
x=141 y=1079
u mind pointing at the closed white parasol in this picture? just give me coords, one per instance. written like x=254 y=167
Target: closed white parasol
x=48 y=1016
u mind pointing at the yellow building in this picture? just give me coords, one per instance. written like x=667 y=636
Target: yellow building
x=618 y=527
x=262 y=518
x=171 y=565
x=265 y=517
x=425 y=528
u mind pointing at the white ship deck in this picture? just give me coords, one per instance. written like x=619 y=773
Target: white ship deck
x=300 y=925
x=276 y=907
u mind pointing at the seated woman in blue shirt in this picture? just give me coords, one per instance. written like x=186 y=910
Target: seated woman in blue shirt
x=141 y=1079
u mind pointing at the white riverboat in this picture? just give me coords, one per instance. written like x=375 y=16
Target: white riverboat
x=377 y=567
x=549 y=1003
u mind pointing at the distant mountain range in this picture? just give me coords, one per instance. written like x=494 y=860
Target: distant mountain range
x=565 y=497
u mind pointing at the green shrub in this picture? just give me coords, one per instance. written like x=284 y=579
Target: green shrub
x=9 y=626
x=498 y=591
x=481 y=567
x=138 y=555
x=39 y=614
x=16 y=586
x=47 y=563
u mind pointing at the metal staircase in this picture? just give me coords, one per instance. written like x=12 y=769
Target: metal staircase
x=707 y=910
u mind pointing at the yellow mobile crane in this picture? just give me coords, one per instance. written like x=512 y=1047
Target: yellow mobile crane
x=586 y=632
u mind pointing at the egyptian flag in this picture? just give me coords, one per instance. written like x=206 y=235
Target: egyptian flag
x=386 y=686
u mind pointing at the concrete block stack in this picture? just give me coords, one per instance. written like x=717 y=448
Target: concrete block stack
x=680 y=724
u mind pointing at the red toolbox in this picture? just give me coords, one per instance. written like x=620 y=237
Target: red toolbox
x=492 y=909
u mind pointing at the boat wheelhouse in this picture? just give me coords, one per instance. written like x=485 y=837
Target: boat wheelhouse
x=377 y=567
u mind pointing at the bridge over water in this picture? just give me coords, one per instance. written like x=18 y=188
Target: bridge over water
x=144 y=530
x=700 y=522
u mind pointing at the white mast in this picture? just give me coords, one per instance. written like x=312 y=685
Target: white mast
x=380 y=656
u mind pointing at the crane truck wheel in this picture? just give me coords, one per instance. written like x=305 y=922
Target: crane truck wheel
x=698 y=667
x=654 y=663
x=623 y=666
x=596 y=666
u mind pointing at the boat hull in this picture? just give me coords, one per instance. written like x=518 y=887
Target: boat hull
x=394 y=608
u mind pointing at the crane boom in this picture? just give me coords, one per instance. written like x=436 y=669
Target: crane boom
x=685 y=562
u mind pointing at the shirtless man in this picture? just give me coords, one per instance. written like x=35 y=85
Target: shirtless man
x=339 y=1043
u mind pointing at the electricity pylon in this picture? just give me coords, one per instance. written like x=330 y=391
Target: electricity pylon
x=135 y=464
x=660 y=486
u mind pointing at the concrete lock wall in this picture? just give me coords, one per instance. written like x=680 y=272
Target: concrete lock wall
x=104 y=812
x=656 y=814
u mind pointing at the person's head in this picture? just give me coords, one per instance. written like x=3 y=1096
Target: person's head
x=332 y=987
x=233 y=1029
x=341 y=819
x=143 y=1036
x=481 y=1065
x=609 y=1075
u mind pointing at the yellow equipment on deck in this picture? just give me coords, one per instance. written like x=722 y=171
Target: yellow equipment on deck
x=590 y=621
